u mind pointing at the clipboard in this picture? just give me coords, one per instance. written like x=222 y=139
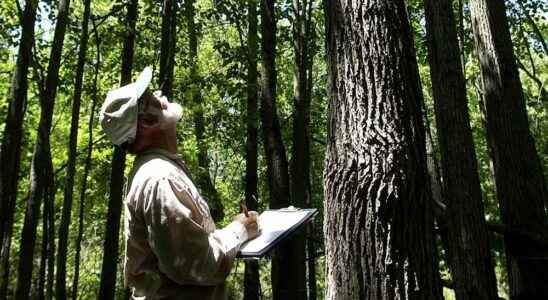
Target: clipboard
x=276 y=225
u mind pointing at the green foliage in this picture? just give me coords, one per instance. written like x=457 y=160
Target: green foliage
x=222 y=67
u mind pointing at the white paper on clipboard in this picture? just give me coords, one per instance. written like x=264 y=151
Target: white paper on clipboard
x=275 y=226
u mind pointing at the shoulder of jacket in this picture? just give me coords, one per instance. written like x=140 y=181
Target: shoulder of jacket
x=154 y=167
x=149 y=173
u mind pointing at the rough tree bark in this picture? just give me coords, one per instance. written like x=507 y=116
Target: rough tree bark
x=10 y=151
x=519 y=178
x=167 y=46
x=203 y=177
x=378 y=210
x=471 y=263
x=252 y=283
x=61 y=274
x=107 y=287
x=41 y=173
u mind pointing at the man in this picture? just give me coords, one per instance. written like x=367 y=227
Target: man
x=173 y=250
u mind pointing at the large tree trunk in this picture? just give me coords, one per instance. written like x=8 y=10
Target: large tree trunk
x=107 y=287
x=41 y=180
x=194 y=90
x=252 y=283
x=167 y=46
x=471 y=263
x=378 y=209
x=61 y=274
x=10 y=151
x=519 y=179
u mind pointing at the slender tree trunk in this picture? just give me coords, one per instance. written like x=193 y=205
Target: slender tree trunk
x=300 y=156
x=311 y=261
x=60 y=288
x=284 y=282
x=107 y=287
x=87 y=168
x=43 y=256
x=436 y=186
x=434 y=174
x=461 y=35
x=519 y=178
x=277 y=166
x=311 y=232
x=203 y=179
x=167 y=46
x=252 y=283
x=311 y=254
x=378 y=211
x=471 y=263
x=41 y=188
x=10 y=151
x=49 y=201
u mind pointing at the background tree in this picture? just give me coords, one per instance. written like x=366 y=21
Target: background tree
x=87 y=167
x=252 y=284
x=221 y=59
x=194 y=95
x=107 y=286
x=42 y=184
x=300 y=151
x=520 y=184
x=286 y=280
x=469 y=252
x=168 y=47
x=60 y=287
x=10 y=151
x=378 y=210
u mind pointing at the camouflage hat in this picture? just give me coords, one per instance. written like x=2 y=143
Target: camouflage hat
x=119 y=112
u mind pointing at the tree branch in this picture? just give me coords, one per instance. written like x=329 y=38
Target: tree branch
x=114 y=10
x=542 y=92
x=318 y=254
x=516 y=232
x=321 y=142
x=535 y=28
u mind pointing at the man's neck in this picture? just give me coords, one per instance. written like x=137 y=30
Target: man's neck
x=167 y=141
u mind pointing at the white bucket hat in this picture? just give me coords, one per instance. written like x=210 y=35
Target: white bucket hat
x=119 y=112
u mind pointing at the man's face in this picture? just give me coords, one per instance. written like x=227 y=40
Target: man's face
x=157 y=120
x=156 y=108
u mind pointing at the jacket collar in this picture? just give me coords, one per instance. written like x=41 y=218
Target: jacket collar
x=175 y=158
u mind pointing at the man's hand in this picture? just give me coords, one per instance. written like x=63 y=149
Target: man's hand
x=250 y=223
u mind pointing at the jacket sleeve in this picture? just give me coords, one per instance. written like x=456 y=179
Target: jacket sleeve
x=186 y=252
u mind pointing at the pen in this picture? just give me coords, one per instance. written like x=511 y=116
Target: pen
x=243 y=208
